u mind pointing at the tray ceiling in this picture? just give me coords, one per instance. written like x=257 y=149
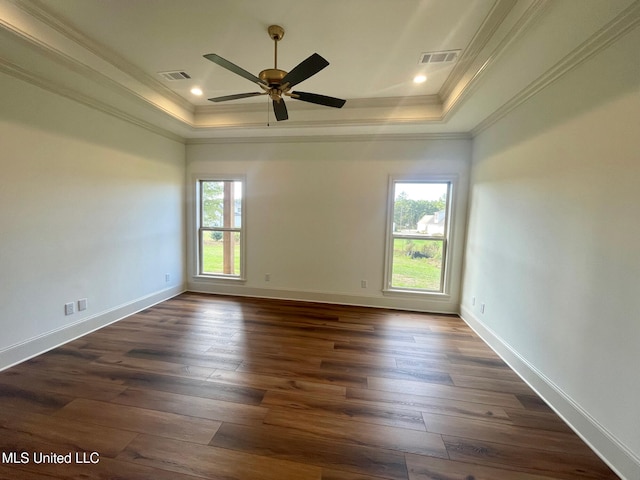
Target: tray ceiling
x=109 y=55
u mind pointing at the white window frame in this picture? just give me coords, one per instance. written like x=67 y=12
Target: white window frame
x=199 y=228
x=444 y=291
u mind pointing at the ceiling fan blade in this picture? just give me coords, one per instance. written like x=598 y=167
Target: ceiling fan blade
x=233 y=68
x=319 y=99
x=237 y=96
x=280 y=109
x=304 y=70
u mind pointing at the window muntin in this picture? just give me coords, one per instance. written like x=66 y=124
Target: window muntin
x=418 y=235
x=221 y=233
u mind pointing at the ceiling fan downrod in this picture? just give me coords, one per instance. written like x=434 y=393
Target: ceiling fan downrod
x=276 y=32
x=273 y=76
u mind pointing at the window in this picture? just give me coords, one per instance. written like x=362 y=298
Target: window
x=221 y=228
x=418 y=235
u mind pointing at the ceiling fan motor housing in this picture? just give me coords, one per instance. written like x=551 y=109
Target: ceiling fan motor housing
x=272 y=76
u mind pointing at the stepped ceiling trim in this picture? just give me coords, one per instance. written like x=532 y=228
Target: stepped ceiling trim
x=146 y=102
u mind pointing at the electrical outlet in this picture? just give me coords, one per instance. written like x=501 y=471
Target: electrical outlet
x=482 y=308
x=267 y=277
x=69 y=308
x=363 y=283
x=167 y=278
x=82 y=304
x=473 y=300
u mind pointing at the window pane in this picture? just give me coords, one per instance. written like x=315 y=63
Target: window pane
x=420 y=208
x=220 y=252
x=236 y=205
x=212 y=203
x=221 y=204
x=417 y=264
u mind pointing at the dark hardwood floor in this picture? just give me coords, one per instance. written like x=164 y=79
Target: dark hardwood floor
x=235 y=388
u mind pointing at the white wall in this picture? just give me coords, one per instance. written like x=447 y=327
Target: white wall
x=553 y=247
x=90 y=207
x=316 y=214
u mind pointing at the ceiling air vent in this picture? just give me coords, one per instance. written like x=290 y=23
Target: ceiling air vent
x=439 y=57
x=174 y=75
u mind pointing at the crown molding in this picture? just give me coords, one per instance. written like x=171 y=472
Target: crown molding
x=353 y=103
x=333 y=138
x=37 y=10
x=88 y=72
x=46 y=84
x=626 y=21
x=532 y=13
x=370 y=122
x=393 y=102
x=493 y=20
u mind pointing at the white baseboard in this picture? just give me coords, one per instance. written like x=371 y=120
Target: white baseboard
x=446 y=305
x=614 y=453
x=20 y=352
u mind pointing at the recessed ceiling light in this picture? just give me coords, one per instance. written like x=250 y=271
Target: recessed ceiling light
x=196 y=91
x=419 y=79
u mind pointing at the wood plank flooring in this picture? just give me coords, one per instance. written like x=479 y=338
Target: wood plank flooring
x=250 y=389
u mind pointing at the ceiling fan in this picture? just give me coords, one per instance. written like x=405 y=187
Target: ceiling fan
x=277 y=83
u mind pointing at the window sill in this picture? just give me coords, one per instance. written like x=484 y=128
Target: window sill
x=219 y=278
x=397 y=292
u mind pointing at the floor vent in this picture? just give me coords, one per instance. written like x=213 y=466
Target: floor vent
x=174 y=75
x=439 y=57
